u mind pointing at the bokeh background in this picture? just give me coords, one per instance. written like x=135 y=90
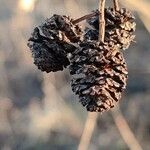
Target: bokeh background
x=38 y=111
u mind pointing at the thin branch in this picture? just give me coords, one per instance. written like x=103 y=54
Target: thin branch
x=88 y=130
x=101 y=20
x=116 y=5
x=84 y=17
x=125 y=131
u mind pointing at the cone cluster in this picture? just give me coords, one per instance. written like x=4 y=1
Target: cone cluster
x=99 y=71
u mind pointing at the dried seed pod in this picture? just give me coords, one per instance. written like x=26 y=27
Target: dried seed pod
x=49 y=54
x=99 y=74
x=51 y=42
x=120 y=26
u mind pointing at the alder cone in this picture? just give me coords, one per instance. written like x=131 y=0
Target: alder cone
x=120 y=26
x=51 y=42
x=99 y=74
x=49 y=55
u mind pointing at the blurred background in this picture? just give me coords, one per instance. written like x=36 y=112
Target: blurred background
x=38 y=111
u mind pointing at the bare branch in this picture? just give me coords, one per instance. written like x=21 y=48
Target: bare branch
x=125 y=130
x=101 y=20
x=116 y=5
x=88 y=130
x=84 y=17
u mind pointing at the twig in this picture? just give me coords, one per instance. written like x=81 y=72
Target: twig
x=84 y=17
x=125 y=130
x=88 y=130
x=101 y=20
x=116 y=5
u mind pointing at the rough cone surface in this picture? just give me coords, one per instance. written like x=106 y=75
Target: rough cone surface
x=120 y=26
x=51 y=42
x=99 y=74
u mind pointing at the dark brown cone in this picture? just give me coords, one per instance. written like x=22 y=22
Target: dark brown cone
x=120 y=26
x=49 y=55
x=99 y=75
x=50 y=43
